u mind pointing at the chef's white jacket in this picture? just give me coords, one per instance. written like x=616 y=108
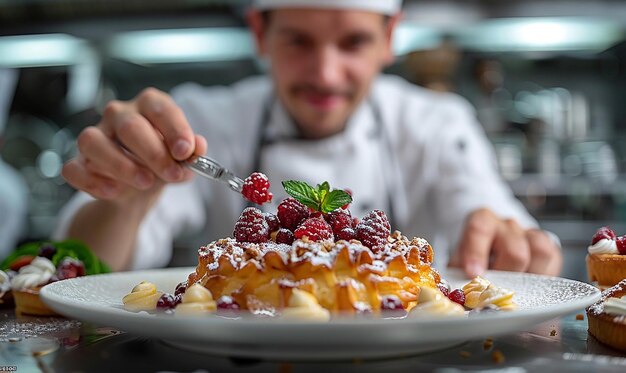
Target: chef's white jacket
x=432 y=159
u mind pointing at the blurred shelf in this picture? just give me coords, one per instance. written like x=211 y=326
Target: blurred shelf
x=537 y=185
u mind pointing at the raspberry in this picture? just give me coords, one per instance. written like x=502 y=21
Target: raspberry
x=445 y=290
x=314 y=213
x=316 y=229
x=70 y=268
x=345 y=234
x=345 y=207
x=621 y=244
x=338 y=220
x=391 y=302
x=285 y=236
x=167 y=302
x=256 y=188
x=181 y=288
x=457 y=296
x=272 y=221
x=251 y=226
x=373 y=230
x=47 y=251
x=291 y=213
x=604 y=232
x=226 y=302
x=392 y=306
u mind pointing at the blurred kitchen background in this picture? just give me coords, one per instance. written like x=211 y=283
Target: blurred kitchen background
x=547 y=80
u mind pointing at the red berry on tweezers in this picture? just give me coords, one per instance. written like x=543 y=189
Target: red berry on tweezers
x=256 y=188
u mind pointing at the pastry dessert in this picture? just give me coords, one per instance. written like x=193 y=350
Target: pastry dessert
x=318 y=250
x=606 y=259
x=607 y=317
x=26 y=285
x=314 y=260
x=35 y=265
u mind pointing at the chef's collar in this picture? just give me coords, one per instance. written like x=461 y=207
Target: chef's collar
x=388 y=7
x=360 y=126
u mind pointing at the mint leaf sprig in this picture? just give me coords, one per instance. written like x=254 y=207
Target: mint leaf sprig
x=320 y=198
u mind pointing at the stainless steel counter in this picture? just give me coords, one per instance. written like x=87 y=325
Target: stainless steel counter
x=61 y=345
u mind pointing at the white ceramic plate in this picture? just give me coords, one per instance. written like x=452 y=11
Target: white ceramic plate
x=98 y=299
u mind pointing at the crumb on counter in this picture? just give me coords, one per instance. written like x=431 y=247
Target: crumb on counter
x=487 y=344
x=552 y=332
x=465 y=354
x=497 y=357
x=580 y=316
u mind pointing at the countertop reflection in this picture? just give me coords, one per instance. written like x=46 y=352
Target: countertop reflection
x=62 y=345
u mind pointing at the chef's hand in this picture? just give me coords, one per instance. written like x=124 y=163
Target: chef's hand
x=135 y=149
x=490 y=242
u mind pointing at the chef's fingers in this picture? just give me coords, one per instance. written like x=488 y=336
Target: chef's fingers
x=546 y=256
x=476 y=241
x=163 y=113
x=201 y=148
x=77 y=175
x=201 y=145
x=138 y=137
x=511 y=251
x=104 y=157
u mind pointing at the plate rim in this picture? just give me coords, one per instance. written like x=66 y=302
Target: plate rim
x=54 y=300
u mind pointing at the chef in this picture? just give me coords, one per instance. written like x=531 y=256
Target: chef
x=323 y=113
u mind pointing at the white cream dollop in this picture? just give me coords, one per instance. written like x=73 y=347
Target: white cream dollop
x=604 y=246
x=432 y=303
x=303 y=305
x=480 y=293
x=5 y=284
x=143 y=297
x=615 y=306
x=37 y=273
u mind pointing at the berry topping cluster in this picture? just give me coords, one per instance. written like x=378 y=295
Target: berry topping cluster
x=317 y=214
x=606 y=233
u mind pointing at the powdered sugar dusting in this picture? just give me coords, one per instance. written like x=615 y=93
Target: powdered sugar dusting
x=324 y=253
x=616 y=291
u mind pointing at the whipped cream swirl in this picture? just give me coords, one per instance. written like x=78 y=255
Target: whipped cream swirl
x=615 y=306
x=5 y=283
x=604 y=246
x=480 y=293
x=38 y=272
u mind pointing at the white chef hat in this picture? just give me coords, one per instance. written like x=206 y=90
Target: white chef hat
x=388 y=7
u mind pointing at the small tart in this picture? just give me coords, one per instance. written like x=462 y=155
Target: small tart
x=27 y=302
x=606 y=269
x=606 y=328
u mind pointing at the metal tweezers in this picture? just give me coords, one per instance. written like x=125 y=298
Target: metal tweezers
x=210 y=169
